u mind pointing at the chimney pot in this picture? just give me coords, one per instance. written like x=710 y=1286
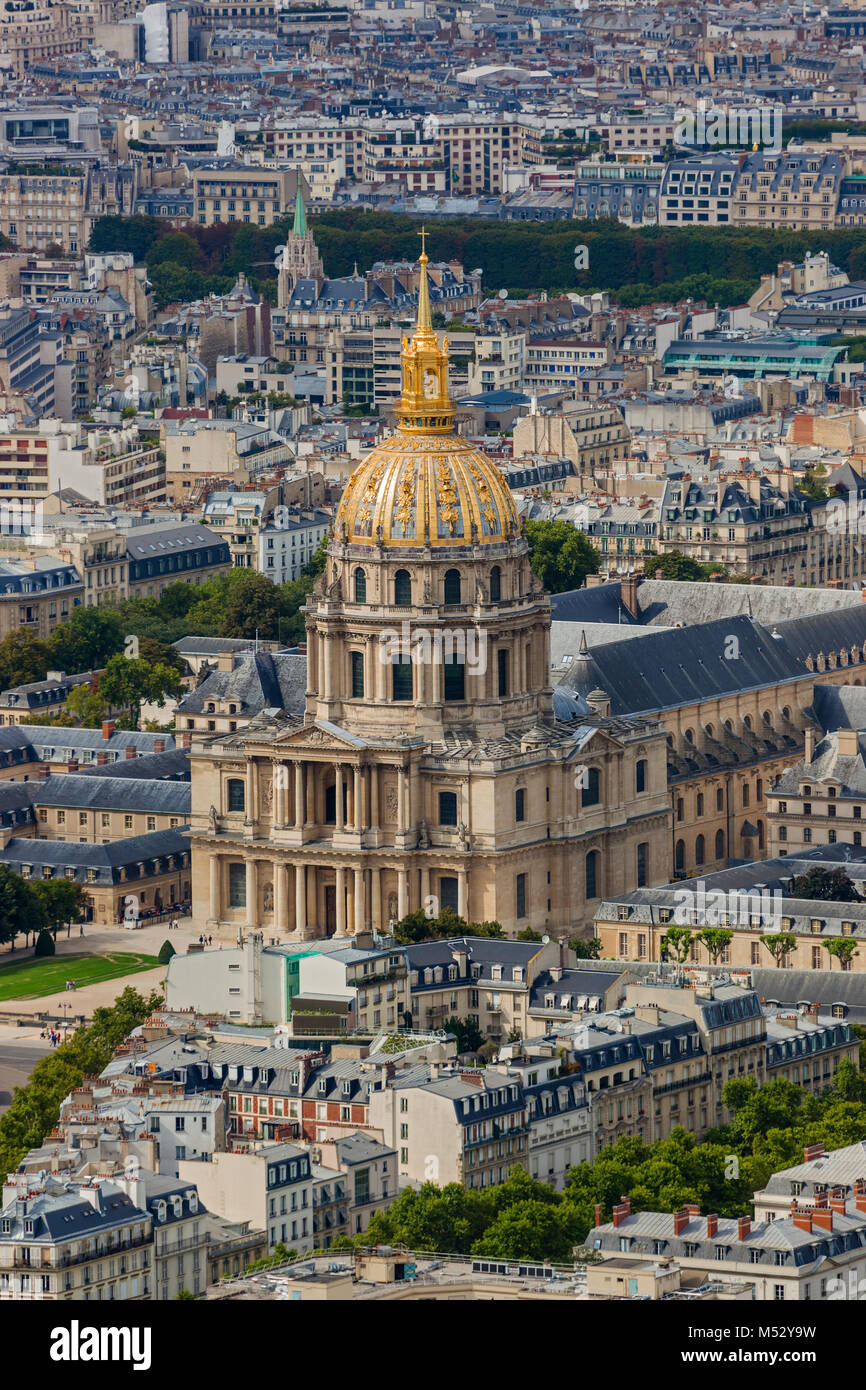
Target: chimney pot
x=129 y=751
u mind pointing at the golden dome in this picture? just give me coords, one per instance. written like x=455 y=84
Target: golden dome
x=425 y=485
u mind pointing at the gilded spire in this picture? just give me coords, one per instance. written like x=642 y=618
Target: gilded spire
x=425 y=406
x=424 y=325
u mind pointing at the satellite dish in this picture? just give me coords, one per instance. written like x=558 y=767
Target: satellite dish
x=545 y=941
x=503 y=294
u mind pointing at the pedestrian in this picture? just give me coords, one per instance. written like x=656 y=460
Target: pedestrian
x=200 y=939
x=210 y=941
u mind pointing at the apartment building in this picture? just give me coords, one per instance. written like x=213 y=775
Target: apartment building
x=289 y=542
x=99 y=810
x=639 y=133
x=819 y=800
x=126 y=879
x=840 y=1172
x=592 y=436
x=553 y=364
x=181 y=1245
x=197 y=451
x=808 y=1255
x=470 y=1128
x=270 y=1186
x=355 y=1177
x=29 y=358
x=698 y=189
x=500 y=363
x=798 y=189
x=90 y=1243
x=46 y=207
x=164 y=555
x=36 y=594
x=243 y=193
x=748 y=524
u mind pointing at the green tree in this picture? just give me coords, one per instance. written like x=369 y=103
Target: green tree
x=585 y=949
x=560 y=555
x=813 y=484
x=527 y=934
x=677 y=943
x=63 y=902
x=843 y=948
x=128 y=681
x=86 y=640
x=448 y=1219
x=716 y=940
x=44 y=944
x=469 y=1036
x=676 y=565
x=21 y=911
x=779 y=944
x=87 y=706
x=828 y=885
x=531 y=1230
x=23 y=658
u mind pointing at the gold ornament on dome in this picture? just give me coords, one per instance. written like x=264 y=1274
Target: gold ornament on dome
x=425 y=470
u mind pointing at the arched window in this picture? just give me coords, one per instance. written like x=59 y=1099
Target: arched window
x=495 y=584
x=699 y=850
x=720 y=844
x=236 y=794
x=642 y=861
x=591 y=790
x=760 y=834
x=747 y=722
x=680 y=855
x=592 y=874
x=708 y=730
x=360 y=586
x=699 y=802
x=689 y=735
x=452 y=586
x=640 y=775
x=402 y=589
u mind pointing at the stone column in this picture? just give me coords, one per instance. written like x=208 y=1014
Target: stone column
x=281 y=892
x=401 y=799
x=281 y=794
x=300 y=897
x=374 y=797
x=402 y=894
x=252 y=893
x=462 y=892
x=359 y=900
x=299 y=795
x=310 y=780
x=252 y=809
x=215 y=904
x=338 y=796
x=328 y=653
x=376 y=898
x=341 y=902
x=356 y=794
x=425 y=885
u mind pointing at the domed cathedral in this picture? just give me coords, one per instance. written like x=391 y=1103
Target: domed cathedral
x=434 y=766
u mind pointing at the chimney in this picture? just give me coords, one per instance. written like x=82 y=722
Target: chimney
x=159 y=745
x=681 y=1220
x=101 y=759
x=45 y=770
x=809 y=750
x=72 y=765
x=813 y=1151
x=628 y=593
x=108 y=728
x=837 y=1200
x=847 y=743
x=620 y=1212
x=860 y=1194
x=626 y=1202
x=598 y=1213
x=802 y=1217
x=712 y=1226
x=693 y=1210
x=744 y=1227
x=129 y=751
x=822 y=1219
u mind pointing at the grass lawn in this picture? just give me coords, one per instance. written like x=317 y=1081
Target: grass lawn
x=29 y=978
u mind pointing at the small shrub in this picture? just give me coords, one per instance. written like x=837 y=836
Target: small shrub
x=44 y=944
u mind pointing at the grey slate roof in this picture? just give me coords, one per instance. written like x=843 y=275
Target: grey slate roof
x=839 y=706
x=112 y=794
x=106 y=860
x=172 y=766
x=678 y=666
x=262 y=680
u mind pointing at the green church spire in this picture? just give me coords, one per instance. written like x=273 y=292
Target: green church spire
x=300 y=227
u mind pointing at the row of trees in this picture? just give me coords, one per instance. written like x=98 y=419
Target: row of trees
x=638 y=264
x=28 y=908
x=35 y=1107
x=526 y=1219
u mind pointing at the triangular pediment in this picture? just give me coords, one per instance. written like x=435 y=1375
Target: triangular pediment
x=322 y=734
